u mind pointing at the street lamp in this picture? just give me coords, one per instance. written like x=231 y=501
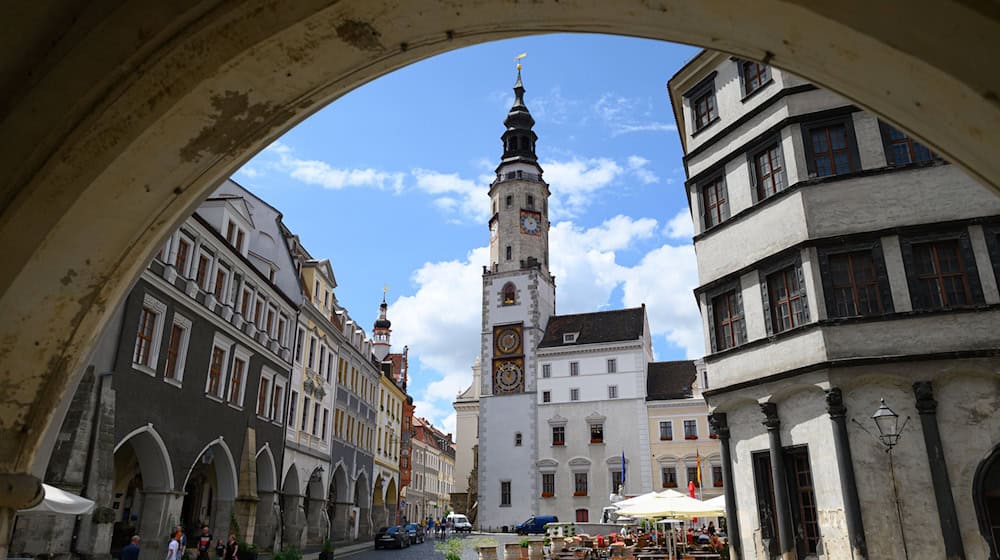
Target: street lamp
x=889 y=431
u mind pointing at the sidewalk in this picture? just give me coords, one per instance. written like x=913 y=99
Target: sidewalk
x=342 y=551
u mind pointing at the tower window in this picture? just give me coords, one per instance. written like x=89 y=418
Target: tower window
x=510 y=200
x=509 y=253
x=524 y=143
x=509 y=292
x=517 y=439
x=531 y=202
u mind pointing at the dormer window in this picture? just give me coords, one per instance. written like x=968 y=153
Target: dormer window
x=570 y=338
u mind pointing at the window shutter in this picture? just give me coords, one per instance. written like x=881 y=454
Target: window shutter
x=752 y=168
x=711 y=324
x=767 y=304
x=806 y=318
x=971 y=270
x=743 y=319
x=917 y=296
x=883 y=278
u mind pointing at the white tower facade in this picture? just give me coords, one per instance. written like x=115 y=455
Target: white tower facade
x=518 y=299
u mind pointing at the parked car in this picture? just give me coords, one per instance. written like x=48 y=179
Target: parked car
x=535 y=524
x=460 y=523
x=392 y=536
x=416 y=532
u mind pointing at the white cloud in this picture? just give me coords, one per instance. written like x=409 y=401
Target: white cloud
x=316 y=172
x=249 y=172
x=574 y=183
x=680 y=226
x=455 y=195
x=638 y=166
x=622 y=115
x=441 y=322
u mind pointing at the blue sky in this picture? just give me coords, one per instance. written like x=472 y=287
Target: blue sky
x=389 y=183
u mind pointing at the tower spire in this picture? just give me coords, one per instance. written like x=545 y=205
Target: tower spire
x=382 y=330
x=519 y=139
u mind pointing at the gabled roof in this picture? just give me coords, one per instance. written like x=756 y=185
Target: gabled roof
x=593 y=328
x=670 y=380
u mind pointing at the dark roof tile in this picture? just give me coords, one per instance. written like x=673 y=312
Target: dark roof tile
x=594 y=328
x=670 y=380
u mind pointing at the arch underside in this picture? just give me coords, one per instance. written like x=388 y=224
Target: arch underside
x=153 y=108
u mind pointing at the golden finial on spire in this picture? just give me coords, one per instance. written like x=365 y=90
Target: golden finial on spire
x=518 y=59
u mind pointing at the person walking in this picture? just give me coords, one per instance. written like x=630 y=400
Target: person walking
x=131 y=551
x=204 y=543
x=232 y=549
x=181 y=542
x=220 y=549
x=173 y=547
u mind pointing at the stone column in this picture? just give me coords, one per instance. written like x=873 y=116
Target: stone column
x=927 y=406
x=721 y=425
x=845 y=466
x=266 y=523
x=160 y=511
x=17 y=491
x=341 y=521
x=786 y=537
x=294 y=521
x=245 y=507
x=364 y=523
x=315 y=521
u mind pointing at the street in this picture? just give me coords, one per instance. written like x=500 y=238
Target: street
x=425 y=551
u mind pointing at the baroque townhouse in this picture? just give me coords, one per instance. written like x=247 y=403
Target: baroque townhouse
x=184 y=399
x=840 y=263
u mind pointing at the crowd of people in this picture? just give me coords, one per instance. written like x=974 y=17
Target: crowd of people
x=177 y=547
x=440 y=527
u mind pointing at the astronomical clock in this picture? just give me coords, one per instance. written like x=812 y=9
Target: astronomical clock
x=508 y=359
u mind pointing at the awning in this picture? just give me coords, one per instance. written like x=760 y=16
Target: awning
x=60 y=501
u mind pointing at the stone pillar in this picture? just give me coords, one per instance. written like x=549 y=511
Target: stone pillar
x=17 y=491
x=721 y=424
x=245 y=507
x=786 y=537
x=316 y=521
x=512 y=551
x=927 y=406
x=364 y=523
x=341 y=521
x=535 y=549
x=294 y=521
x=160 y=511
x=222 y=516
x=266 y=523
x=845 y=466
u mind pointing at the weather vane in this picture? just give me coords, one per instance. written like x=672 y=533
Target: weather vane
x=518 y=59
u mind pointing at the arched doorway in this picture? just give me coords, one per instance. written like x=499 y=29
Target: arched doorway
x=209 y=492
x=293 y=522
x=392 y=502
x=379 y=517
x=362 y=507
x=986 y=497
x=268 y=512
x=338 y=505
x=211 y=94
x=143 y=491
x=317 y=520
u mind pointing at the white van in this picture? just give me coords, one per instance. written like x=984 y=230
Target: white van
x=459 y=522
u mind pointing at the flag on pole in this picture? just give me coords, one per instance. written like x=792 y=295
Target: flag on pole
x=697 y=457
x=623 y=471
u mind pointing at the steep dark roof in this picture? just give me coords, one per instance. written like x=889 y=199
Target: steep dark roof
x=603 y=326
x=670 y=380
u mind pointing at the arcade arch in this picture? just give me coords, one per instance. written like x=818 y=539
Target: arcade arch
x=210 y=489
x=144 y=478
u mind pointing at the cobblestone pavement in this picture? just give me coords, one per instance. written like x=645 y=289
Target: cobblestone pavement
x=425 y=551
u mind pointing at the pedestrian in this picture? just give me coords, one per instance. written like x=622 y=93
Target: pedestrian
x=181 y=542
x=173 y=547
x=711 y=528
x=204 y=543
x=220 y=549
x=232 y=549
x=131 y=551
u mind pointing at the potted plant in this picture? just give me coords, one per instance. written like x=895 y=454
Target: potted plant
x=327 y=552
x=524 y=548
x=451 y=549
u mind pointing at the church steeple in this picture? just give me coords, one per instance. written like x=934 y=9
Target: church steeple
x=382 y=330
x=519 y=139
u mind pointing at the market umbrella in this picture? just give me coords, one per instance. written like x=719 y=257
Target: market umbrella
x=677 y=506
x=718 y=502
x=60 y=501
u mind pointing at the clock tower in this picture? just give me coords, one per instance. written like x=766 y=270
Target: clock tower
x=518 y=299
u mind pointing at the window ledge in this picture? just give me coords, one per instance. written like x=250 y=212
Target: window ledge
x=144 y=369
x=175 y=382
x=594 y=442
x=212 y=397
x=580 y=494
x=753 y=93
x=666 y=439
x=706 y=127
x=234 y=406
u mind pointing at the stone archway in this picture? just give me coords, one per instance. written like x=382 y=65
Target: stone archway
x=268 y=512
x=144 y=478
x=392 y=502
x=379 y=514
x=338 y=504
x=210 y=489
x=154 y=120
x=317 y=520
x=362 y=501
x=293 y=522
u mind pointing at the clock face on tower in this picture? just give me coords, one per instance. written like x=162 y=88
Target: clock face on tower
x=508 y=340
x=531 y=222
x=508 y=376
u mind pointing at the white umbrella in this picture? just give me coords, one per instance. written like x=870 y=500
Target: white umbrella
x=672 y=506
x=635 y=500
x=718 y=502
x=60 y=501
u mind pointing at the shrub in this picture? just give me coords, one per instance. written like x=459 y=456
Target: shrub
x=451 y=549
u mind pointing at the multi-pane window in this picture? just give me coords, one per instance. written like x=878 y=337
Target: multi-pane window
x=546 y=396
x=315 y=425
x=612 y=391
x=900 y=149
x=668 y=477
x=705 y=110
x=517 y=439
x=612 y=365
x=769 y=172
x=666 y=430
x=690 y=429
x=236 y=380
x=263 y=391
x=727 y=312
x=183 y=252
x=805 y=499
x=831 y=152
x=245 y=303
x=312 y=352
x=174 y=348
x=201 y=276
x=580 y=484
x=298 y=345
x=616 y=481
x=305 y=414
x=786 y=297
x=546 y=370
x=144 y=338
x=220 y=284
x=574 y=368
x=293 y=402
x=940 y=274
x=276 y=402
x=597 y=433
x=558 y=435
x=755 y=75
x=582 y=515
x=574 y=394
x=714 y=202
x=505 y=493
x=717 y=476
x=548 y=485
x=215 y=371
x=854 y=285
x=326 y=420
x=692 y=476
